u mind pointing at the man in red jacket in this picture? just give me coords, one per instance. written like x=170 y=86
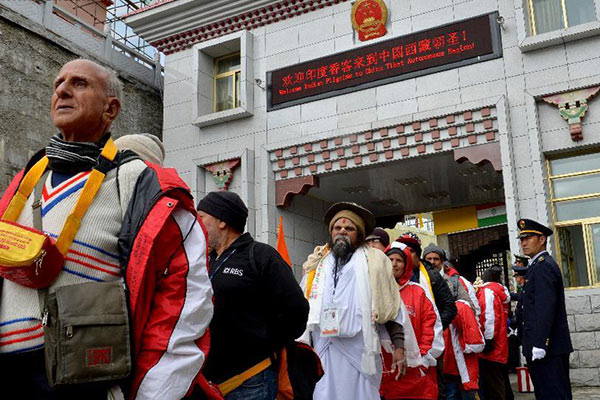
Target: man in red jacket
x=140 y=228
x=494 y=300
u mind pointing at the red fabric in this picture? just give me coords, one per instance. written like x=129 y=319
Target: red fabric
x=418 y=383
x=468 y=332
x=499 y=353
x=9 y=192
x=156 y=299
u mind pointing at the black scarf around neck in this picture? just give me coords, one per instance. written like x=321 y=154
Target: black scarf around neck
x=73 y=157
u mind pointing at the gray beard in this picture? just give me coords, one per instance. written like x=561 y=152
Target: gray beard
x=342 y=249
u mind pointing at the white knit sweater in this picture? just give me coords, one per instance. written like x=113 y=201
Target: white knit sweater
x=92 y=257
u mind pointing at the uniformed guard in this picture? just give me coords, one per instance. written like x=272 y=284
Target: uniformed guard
x=545 y=332
x=519 y=274
x=521 y=261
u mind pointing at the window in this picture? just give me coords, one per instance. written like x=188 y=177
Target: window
x=552 y=15
x=227 y=82
x=575 y=192
x=224 y=79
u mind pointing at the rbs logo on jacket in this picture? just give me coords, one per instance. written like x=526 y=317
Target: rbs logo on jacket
x=233 y=271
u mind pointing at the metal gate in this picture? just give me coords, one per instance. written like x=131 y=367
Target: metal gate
x=500 y=259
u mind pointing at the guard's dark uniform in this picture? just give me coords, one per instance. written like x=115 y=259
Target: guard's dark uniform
x=544 y=323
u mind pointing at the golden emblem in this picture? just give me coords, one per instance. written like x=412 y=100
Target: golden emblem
x=522 y=224
x=369 y=18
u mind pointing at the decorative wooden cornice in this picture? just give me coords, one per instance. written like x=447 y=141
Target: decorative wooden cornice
x=478 y=155
x=286 y=190
x=201 y=22
x=443 y=133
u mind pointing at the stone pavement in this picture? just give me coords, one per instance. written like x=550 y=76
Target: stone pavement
x=579 y=393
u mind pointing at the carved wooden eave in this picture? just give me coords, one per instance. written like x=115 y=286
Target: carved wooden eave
x=175 y=25
x=481 y=154
x=287 y=189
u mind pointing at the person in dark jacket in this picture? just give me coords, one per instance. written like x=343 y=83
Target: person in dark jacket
x=519 y=274
x=514 y=339
x=545 y=332
x=259 y=306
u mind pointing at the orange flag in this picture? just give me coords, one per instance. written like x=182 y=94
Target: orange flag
x=281 y=247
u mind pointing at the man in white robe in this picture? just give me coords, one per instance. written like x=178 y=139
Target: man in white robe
x=353 y=299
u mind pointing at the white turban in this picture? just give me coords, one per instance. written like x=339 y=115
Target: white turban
x=145 y=145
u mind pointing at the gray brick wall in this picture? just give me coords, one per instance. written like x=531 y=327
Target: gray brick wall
x=583 y=314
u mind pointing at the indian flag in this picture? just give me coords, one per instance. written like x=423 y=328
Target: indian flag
x=491 y=214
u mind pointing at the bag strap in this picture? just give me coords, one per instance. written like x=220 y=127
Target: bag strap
x=37 y=224
x=17 y=203
x=36 y=206
x=234 y=382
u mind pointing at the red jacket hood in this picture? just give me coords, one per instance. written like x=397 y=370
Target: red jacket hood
x=498 y=290
x=451 y=272
x=167 y=177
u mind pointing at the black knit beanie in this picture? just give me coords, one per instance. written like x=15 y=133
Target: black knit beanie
x=492 y=274
x=226 y=206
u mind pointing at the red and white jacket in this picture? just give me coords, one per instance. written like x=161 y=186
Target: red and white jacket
x=419 y=382
x=464 y=342
x=494 y=300
x=163 y=248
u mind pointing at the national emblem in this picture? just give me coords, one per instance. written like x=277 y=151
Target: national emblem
x=369 y=18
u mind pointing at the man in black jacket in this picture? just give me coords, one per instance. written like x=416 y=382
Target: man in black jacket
x=259 y=306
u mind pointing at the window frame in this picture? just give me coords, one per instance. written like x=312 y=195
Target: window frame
x=236 y=79
x=203 y=101
x=585 y=223
x=531 y=14
x=527 y=42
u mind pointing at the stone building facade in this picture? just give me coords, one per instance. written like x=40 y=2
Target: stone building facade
x=514 y=128
x=31 y=54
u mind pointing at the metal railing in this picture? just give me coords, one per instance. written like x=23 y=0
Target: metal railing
x=100 y=44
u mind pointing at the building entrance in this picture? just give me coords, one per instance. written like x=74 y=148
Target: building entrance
x=464 y=203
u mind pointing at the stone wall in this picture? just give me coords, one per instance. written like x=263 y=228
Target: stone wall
x=29 y=63
x=583 y=314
